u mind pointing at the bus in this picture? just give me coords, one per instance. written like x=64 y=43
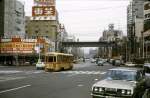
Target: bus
x=55 y=61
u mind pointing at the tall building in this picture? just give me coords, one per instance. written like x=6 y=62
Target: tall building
x=146 y=15
x=135 y=24
x=2 y=18
x=44 y=21
x=111 y=35
x=135 y=18
x=12 y=18
x=146 y=33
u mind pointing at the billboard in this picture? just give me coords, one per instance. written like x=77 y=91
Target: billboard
x=44 y=2
x=43 y=11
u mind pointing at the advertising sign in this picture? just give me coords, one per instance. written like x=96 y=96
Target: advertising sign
x=43 y=11
x=44 y=2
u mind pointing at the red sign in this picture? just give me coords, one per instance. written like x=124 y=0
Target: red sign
x=43 y=11
x=16 y=39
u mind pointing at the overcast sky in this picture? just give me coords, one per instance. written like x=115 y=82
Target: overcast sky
x=86 y=19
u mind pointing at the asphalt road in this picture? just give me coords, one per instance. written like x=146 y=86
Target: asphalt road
x=27 y=82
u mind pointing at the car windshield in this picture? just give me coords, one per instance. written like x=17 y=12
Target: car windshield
x=121 y=75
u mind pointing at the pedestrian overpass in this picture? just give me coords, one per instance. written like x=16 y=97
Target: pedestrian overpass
x=88 y=44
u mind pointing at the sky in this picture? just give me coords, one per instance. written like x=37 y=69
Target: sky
x=86 y=19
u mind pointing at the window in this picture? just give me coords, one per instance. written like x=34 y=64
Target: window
x=121 y=75
x=50 y=59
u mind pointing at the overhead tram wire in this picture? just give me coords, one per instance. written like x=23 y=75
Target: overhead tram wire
x=80 y=10
x=96 y=9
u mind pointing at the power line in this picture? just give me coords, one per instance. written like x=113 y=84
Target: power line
x=95 y=9
x=95 y=0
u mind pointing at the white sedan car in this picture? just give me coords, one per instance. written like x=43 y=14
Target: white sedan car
x=40 y=65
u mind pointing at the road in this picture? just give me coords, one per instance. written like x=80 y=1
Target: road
x=27 y=82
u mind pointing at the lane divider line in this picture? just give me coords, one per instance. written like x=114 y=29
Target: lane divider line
x=13 y=89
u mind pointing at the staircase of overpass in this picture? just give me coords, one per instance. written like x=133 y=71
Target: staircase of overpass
x=88 y=44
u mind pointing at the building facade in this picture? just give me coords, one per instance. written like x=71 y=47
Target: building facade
x=111 y=35
x=12 y=18
x=146 y=33
x=135 y=27
x=44 y=21
x=2 y=18
x=22 y=51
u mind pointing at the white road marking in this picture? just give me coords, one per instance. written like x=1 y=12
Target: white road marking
x=33 y=72
x=103 y=73
x=80 y=85
x=13 y=89
x=9 y=71
x=17 y=71
x=2 y=79
x=82 y=72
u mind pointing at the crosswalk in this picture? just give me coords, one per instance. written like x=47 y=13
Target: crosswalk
x=6 y=72
x=8 y=78
x=83 y=72
x=9 y=75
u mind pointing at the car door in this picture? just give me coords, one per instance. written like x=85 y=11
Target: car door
x=140 y=85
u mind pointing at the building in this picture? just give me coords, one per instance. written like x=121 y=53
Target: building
x=111 y=35
x=135 y=24
x=2 y=18
x=44 y=21
x=146 y=33
x=22 y=51
x=12 y=18
x=135 y=18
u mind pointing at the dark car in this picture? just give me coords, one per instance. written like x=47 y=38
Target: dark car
x=120 y=82
x=147 y=74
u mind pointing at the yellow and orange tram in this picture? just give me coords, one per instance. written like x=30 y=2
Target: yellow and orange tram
x=55 y=61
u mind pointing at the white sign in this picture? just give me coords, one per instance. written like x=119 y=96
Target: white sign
x=29 y=40
x=37 y=49
x=6 y=40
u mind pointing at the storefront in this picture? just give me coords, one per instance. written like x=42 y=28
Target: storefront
x=17 y=51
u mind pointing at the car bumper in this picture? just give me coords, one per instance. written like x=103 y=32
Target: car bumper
x=109 y=96
x=40 y=68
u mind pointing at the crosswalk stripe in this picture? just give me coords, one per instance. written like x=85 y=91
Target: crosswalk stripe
x=82 y=72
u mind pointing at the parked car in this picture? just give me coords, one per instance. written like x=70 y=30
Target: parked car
x=111 y=61
x=40 y=64
x=120 y=82
x=147 y=74
x=117 y=62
